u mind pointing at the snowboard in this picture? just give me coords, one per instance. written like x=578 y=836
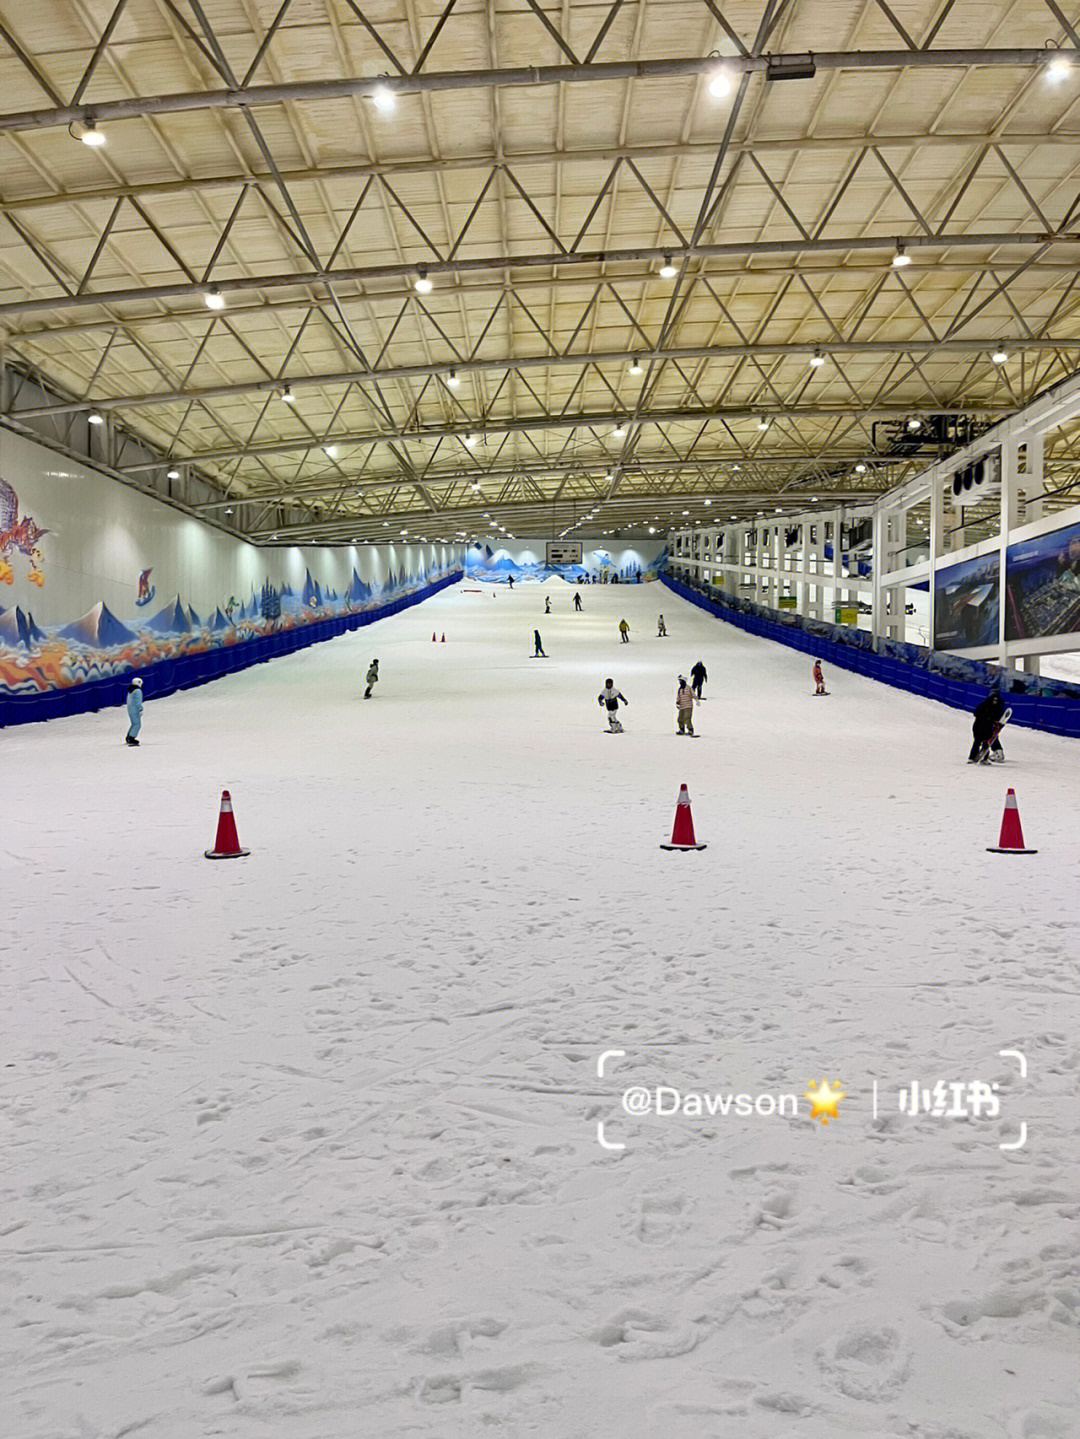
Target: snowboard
x=987 y=755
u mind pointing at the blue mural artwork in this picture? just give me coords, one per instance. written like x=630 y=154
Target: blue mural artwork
x=597 y=567
x=99 y=645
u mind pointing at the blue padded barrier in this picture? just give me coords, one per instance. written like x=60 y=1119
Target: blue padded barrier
x=923 y=672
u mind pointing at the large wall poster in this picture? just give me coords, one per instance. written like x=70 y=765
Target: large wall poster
x=967 y=600
x=1042 y=586
x=97 y=579
x=598 y=565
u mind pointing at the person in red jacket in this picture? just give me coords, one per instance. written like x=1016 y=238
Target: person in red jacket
x=819 y=679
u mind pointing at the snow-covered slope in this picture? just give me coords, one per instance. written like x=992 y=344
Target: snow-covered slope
x=305 y=1145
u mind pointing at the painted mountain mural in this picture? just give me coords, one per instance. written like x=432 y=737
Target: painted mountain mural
x=171 y=620
x=98 y=645
x=99 y=629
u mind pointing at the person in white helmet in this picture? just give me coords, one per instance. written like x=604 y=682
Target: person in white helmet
x=134 y=709
x=371 y=678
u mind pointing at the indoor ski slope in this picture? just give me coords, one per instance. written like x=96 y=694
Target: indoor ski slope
x=304 y=1146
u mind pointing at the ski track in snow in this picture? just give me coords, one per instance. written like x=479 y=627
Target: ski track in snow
x=305 y=1145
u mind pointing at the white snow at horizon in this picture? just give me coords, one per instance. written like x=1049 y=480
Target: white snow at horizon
x=305 y=1145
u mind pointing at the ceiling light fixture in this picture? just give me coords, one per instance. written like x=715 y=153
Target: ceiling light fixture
x=763 y=423
x=636 y=367
x=452 y=379
x=667 y=269
x=172 y=474
x=720 y=83
x=92 y=136
x=999 y=356
x=619 y=431
x=287 y=396
x=817 y=359
x=1058 y=69
x=471 y=440
x=383 y=98
x=94 y=418
x=914 y=424
x=901 y=257
x=330 y=451
x=422 y=284
x=215 y=300
x=860 y=468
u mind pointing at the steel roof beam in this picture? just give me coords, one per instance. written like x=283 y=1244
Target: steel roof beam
x=674 y=354
x=557 y=259
x=524 y=159
x=249 y=97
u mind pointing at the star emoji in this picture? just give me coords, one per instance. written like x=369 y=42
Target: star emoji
x=824 y=1099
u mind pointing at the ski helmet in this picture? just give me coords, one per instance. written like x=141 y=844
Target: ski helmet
x=608 y=684
x=136 y=683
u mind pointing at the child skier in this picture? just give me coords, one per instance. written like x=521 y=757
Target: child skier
x=538 y=646
x=624 y=632
x=684 y=706
x=819 y=679
x=661 y=627
x=134 y=709
x=985 y=728
x=371 y=678
x=577 y=601
x=611 y=697
x=547 y=604
x=699 y=676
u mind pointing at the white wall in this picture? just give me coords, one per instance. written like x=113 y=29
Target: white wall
x=101 y=535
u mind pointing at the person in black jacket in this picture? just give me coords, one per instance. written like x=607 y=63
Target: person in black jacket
x=985 y=727
x=699 y=676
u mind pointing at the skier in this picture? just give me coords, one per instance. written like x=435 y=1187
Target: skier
x=371 y=678
x=624 y=632
x=538 y=646
x=661 y=627
x=699 y=676
x=684 y=706
x=985 y=728
x=577 y=601
x=134 y=709
x=819 y=679
x=611 y=697
x=510 y=581
x=547 y=604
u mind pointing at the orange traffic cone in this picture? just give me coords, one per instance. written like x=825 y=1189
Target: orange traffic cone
x=227 y=845
x=1012 y=836
x=682 y=835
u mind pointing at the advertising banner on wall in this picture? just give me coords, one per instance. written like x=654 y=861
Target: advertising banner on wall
x=967 y=601
x=1042 y=586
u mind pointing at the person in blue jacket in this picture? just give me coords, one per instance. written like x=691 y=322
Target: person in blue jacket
x=134 y=709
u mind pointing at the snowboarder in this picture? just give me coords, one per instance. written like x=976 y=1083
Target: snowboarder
x=624 y=632
x=538 y=646
x=547 y=604
x=661 y=627
x=134 y=709
x=699 y=676
x=684 y=706
x=987 y=721
x=577 y=601
x=371 y=678
x=510 y=581
x=819 y=679
x=611 y=698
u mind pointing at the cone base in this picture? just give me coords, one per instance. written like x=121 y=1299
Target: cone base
x=997 y=849
x=225 y=853
x=684 y=846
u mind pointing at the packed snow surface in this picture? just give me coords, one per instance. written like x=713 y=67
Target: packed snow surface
x=305 y=1145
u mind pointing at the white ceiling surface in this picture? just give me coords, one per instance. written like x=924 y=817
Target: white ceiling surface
x=974 y=150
